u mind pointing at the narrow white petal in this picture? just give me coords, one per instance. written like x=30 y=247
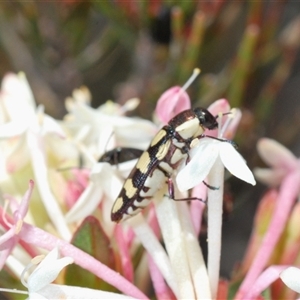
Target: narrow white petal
x=174 y=240
x=50 y=125
x=194 y=255
x=55 y=291
x=199 y=166
x=86 y=204
x=235 y=163
x=103 y=182
x=150 y=242
x=38 y=160
x=12 y=129
x=45 y=274
x=291 y=278
x=49 y=258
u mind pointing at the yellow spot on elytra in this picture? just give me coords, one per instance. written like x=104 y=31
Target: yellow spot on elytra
x=130 y=190
x=117 y=205
x=158 y=137
x=143 y=162
x=188 y=128
x=163 y=150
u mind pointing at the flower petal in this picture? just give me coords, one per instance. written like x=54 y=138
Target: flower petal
x=18 y=154
x=270 y=177
x=235 y=163
x=55 y=291
x=291 y=278
x=275 y=154
x=47 y=271
x=221 y=105
x=17 y=96
x=172 y=102
x=199 y=166
x=265 y=279
x=86 y=204
x=40 y=170
x=23 y=208
x=50 y=125
x=234 y=118
x=12 y=129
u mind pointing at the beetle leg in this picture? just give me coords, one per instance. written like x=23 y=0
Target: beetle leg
x=210 y=186
x=221 y=140
x=172 y=194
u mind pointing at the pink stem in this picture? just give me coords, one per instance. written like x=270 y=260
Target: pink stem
x=42 y=239
x=196 y=207
x=125 y=255
x=162 y=291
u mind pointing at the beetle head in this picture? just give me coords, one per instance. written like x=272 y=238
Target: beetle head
x=206 y=119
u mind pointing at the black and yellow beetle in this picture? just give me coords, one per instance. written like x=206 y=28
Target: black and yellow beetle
x=155 y=166
x=119 y=155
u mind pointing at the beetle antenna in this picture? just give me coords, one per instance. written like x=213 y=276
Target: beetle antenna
x=224 y=114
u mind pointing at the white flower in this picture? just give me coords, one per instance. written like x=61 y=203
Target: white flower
x=46 y=271
x=29 y=135
x=40 y=287
x=95 y=127
x=204 y=156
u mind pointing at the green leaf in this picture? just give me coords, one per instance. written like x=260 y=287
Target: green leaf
x=91 y=238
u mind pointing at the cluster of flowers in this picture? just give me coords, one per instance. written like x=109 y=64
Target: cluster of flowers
x=61 y=158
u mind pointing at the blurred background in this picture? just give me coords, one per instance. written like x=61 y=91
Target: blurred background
x=248 y=52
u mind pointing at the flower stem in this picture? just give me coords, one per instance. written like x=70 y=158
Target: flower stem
x=154 y=248
x=168 y=219
x=194 y=254
x=215 y=207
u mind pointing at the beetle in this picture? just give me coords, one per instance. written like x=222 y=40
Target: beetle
x=155 y=166
x=120 y=154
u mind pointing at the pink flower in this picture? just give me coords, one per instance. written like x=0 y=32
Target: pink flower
x=286 y=174
x=174 y=100
x=281 y=160
x=11 y=237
